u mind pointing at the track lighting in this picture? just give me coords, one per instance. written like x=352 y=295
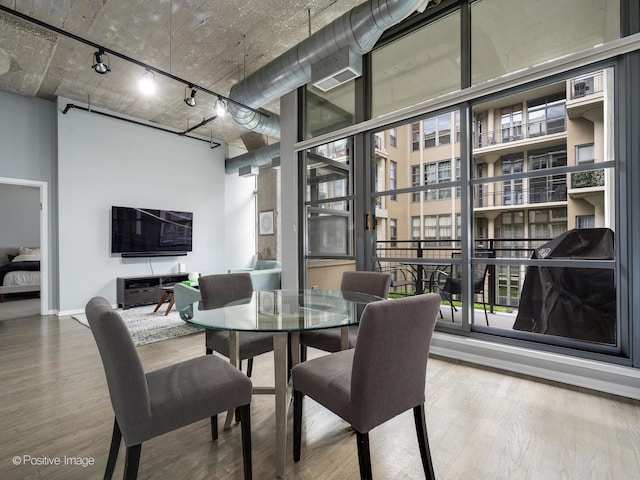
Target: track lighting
x=190 y=99
x=98 y=62
x=221 y=107
x=148 y=82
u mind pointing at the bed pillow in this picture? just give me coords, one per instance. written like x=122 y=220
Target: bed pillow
x=27 y=258
x=28 y=251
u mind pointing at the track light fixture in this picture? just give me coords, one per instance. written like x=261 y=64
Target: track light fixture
x=148 y=79
x=221 y=107
x=190 y=99
x=98 y=62
x=148 y=82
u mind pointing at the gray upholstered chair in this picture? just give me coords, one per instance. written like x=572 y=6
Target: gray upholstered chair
x=147 y=405
x=328 y=340
x=233 y=286
x=383 y=376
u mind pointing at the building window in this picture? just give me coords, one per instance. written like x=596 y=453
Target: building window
x=585 y=154
x=415 y=229
x=552 y=188
x=415 y=137
x=393 y=137
x=511 y=123
x=434 y=173
x=438 y=227
x=547 y=223
x=393 y=178
x=437 y=130
x=393 y=232
x=415 y=182
x=512 y=192
x=585 y=221
x=546 y=116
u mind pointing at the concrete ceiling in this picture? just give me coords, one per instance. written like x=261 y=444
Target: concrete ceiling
x=211 y=43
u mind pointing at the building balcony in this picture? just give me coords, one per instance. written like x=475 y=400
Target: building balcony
x=521 y=198
x=515 y=138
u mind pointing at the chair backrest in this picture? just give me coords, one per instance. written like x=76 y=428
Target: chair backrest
x=390 y=358
x=267 y=264
x=373 y=283
x=228 y=285
x=122 y=366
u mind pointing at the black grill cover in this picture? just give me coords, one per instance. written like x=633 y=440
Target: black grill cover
x=576 y=303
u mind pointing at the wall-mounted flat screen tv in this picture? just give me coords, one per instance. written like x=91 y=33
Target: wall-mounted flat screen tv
x=147 y=232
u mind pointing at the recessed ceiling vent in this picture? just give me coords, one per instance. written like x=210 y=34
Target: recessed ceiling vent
x=336 y=69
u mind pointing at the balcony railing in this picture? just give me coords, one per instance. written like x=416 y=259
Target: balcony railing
x=502 y=198
x=584 y=86
x=413 y=256
x=590 y=178
x=523 y=131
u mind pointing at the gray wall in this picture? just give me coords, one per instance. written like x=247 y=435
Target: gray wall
x=19 y=216
x=28 y=152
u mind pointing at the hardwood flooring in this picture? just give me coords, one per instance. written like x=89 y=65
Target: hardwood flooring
x=482 y=424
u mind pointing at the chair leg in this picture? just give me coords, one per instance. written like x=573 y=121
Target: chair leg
x=423 y=442
x=249 y=367
x=131 y=462
x=303 y=353
x=214 y=428
x=209 y=351
x=297 y=424
x=116 y=438
x=245 y=426
x=484 y=305
x=364 y=456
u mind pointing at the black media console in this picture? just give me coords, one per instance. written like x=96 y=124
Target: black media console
x=136 y=291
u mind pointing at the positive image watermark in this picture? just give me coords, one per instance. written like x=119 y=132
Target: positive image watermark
x=46 y=460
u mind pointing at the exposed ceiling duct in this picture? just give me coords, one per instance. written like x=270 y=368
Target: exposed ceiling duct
x=357 y=31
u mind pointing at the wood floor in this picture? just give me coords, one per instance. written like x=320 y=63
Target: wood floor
x=482 y=424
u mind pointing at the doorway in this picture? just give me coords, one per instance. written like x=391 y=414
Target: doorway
x=42 y=220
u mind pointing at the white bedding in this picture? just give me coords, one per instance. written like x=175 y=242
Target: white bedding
x=21 y=278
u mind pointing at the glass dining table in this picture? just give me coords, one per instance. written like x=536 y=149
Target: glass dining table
x=285 y=313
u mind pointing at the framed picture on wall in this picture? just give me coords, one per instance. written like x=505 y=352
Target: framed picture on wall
x=265 y=223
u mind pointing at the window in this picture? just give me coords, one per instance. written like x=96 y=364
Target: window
x=585 y=221
x=585 y=154
x=437 y=172
x=552 y=188
x=393 y=231
x=512 y=189
x=548 y=223
x=393 y=172
x=511 y=123
x=438 y=227
x=437 y=130
x=393 y=137
x=546 y=116
x=415 y=137
x=415 y=228
x=415 y=182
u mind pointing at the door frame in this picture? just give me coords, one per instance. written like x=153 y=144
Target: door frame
x=44 y=236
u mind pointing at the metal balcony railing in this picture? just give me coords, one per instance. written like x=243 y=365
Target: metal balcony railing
x=535 y=195
x=587 y=85
x=410 y=258
x=522 y=131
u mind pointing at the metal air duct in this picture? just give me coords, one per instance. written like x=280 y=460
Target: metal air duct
x=357 y=30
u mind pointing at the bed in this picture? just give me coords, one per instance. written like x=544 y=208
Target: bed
x=19 y=270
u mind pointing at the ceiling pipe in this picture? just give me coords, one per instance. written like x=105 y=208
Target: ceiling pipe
x=359 y=30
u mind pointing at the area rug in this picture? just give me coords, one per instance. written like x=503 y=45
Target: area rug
x=145 y=326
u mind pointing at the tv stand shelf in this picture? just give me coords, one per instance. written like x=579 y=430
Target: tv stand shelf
x=144 y=290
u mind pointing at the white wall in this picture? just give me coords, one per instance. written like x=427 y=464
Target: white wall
x=104 y=162
x=240 y=218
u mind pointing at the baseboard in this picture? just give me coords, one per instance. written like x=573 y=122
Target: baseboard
x=599 y=376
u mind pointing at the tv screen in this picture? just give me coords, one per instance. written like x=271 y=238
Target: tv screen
x=144 y=231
